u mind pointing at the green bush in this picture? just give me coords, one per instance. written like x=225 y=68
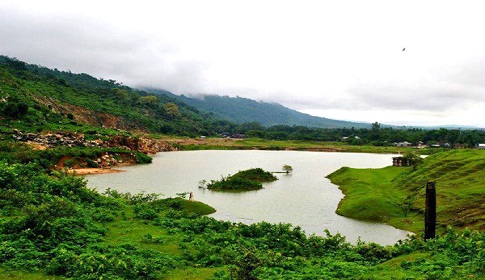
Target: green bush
x=256 y=174
x=142 y=158
x=15 y=110
x=145 y=212
x=250 y=179
x=234 y=184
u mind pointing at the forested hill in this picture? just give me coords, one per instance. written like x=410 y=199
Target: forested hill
x=34 y=98
x=243 y=110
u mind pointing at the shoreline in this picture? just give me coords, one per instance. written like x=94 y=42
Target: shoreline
x=93 y=171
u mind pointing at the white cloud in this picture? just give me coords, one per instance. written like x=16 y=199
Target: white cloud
x=337 y=59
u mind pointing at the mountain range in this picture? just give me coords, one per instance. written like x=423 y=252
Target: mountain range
x=49 y=96
x=243 y=110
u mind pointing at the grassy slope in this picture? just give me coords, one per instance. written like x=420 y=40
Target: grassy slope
x=460 y=183
x=371 y=196
x=396 y=195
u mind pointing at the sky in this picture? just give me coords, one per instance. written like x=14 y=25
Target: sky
x=394 y=62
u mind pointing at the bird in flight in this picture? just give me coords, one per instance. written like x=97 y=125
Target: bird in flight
x=404 y=49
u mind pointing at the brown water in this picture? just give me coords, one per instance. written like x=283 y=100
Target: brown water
x=303 y=198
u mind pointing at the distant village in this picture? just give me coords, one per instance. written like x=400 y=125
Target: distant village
x=421 y=145
x=418 y=145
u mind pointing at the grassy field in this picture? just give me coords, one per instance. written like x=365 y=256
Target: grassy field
x=370 y=195
x=185 y=143
x=396 y=195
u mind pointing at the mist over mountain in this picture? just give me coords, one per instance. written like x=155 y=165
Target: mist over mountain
x=245 y=110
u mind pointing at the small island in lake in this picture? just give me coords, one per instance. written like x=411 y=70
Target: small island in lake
x=247 y=180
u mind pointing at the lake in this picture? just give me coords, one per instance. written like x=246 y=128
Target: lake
x=303 y=198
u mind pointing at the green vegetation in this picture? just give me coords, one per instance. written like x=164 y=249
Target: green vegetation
x=371 y=195
x=395 y=195
x=35 y=98
x=246 y=180
x=294 y=145
x=18 y=152
x=243 y=110
x=287 y=168
x=53 y=226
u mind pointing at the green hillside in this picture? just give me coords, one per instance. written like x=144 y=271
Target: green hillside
x=396 y=195
x=34 y=97
x=244 y=110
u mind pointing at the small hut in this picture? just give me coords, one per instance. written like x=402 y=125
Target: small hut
x=401 y=161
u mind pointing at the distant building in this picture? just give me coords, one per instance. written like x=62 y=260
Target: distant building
x=440 y=145
x=346 y=138
x=421 y=145
x=237 y=135
x=403 y=144
x=400 y=161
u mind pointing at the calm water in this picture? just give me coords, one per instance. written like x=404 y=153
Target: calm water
x=304 y=198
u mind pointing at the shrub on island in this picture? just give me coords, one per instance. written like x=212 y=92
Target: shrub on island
x=246 y=180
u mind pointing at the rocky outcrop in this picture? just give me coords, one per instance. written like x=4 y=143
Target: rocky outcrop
x=54 y=139
x=70 y=139
x=144 y=145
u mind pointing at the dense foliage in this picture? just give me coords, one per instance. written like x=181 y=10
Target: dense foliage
x=245 y=180
x=377 y=135
x=46 y=99
x=52 y=224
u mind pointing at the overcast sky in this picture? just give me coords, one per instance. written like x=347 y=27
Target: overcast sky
x=338 y=59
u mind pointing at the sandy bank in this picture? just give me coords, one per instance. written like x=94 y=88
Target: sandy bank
x=89 y=171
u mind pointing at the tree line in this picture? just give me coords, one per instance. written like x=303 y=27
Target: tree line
x=376 y=135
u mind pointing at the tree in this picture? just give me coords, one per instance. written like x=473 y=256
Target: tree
x=453 y=136
x=374 y=133
x=15 y=110
x=376 y=126
x=250 y=126
x=121 y=94
x=202 y=184
x=287 y=168
x=149 y=100
x=171 y=109
x=413 y=159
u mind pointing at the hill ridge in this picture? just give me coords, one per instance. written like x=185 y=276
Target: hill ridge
x=245 y=110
